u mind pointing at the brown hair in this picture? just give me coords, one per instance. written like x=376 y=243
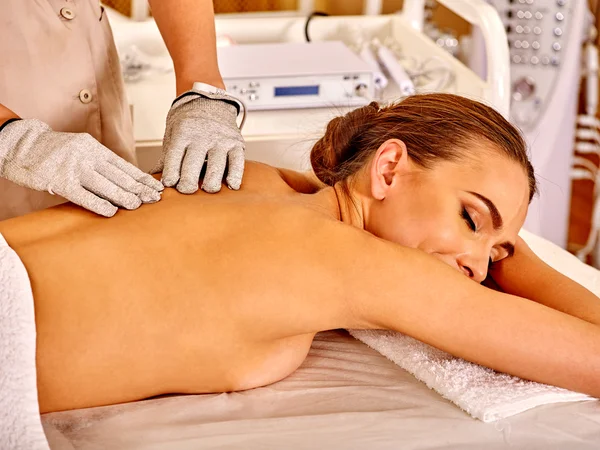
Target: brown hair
x=434 y=127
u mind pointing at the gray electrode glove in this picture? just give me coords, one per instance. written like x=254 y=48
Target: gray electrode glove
x=199 y=125
x=74 y=166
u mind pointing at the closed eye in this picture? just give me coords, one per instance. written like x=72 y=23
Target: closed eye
x=467 y=218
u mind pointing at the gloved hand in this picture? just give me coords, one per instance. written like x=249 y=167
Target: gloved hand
x=198 y=127
x=74 y=166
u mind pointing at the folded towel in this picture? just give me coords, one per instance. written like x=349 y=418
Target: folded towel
x=482 y=392
x=20 y=422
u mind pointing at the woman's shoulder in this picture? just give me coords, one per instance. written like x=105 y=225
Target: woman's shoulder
x=265 y=178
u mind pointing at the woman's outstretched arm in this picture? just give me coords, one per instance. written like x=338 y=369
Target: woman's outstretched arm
x=526 y=275
x=406 y=290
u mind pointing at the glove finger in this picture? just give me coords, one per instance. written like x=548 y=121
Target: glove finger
x=215 y=168
x=174 y=153
x=91 y=202
x=235 y=169
x=191 y=168
x=137 y=174
x=102 y=187
x=160 y=164
x=127 y=183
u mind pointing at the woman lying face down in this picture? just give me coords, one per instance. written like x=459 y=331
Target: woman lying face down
x=418 y=203
x=438 y=173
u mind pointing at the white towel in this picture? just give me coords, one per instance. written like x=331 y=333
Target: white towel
x=20 y=422
x=483 y=393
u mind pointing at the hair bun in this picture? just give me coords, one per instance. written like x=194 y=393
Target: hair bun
x=335 y=148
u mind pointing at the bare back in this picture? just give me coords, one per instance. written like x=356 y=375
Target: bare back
x=201 y=293
x=213 y=293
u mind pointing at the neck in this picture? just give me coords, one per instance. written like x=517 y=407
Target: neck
x=337 y=204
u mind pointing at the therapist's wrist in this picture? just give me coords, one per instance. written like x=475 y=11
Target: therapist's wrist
x=6 y=121
x=185 y=84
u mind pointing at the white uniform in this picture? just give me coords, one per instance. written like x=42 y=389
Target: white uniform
x=59 y=64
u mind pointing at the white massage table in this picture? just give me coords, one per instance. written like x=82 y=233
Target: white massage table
x=344 y=396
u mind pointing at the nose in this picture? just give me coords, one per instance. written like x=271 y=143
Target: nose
x=474 y=266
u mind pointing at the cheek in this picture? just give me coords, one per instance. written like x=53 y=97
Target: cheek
x=428 y=228
x=447 y=232
x=402 y=223
x=426 y=217
x=443 y=239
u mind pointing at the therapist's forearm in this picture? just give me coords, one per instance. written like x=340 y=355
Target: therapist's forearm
x=6 y=114
x=188 y=29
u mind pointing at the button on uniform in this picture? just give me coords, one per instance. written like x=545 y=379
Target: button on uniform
x=67 y=13
x=85 y=96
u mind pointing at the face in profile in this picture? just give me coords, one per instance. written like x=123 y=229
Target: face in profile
x=466 y=213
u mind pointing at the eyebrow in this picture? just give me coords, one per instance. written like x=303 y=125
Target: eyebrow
x=497 y=221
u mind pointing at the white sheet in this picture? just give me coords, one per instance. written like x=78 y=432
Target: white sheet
x=20 y=425
x=344 y=396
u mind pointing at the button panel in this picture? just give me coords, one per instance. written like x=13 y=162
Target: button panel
x=546 y=19
x=537 y=32
x=272 y=92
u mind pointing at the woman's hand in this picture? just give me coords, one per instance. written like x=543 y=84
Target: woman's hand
x=526 y=275
x=490 y=283
x=499 y=273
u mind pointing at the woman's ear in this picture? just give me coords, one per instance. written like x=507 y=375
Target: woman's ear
x=390 y=161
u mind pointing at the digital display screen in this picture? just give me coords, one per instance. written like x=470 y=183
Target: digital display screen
x=296 y=90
